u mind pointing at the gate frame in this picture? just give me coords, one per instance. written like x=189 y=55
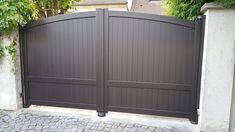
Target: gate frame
x=199 y=44
x=23 y=69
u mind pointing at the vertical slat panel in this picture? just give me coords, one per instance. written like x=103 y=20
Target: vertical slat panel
x=169 y=64
x=130 y=49
x=60 y=54
x=148 y=52
x=61 y=62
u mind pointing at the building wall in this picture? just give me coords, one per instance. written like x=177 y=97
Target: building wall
x=93 y=8
x=146 y=6
x=217 y=69
x=92 y=5
x=10 y=82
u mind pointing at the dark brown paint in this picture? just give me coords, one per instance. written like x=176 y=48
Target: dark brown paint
x=114 y=61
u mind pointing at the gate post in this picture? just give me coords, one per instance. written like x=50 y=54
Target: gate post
x=10 y=76
x=100 y=81
x=217 y=68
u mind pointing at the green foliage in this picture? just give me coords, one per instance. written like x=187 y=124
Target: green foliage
x=1 y=52
x=226 y=3
x=49 y=8
x=14 y=13
x=185 y=9
x=190 y=9
x=11 y=50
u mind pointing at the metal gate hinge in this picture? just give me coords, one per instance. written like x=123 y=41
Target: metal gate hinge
x=21 y=95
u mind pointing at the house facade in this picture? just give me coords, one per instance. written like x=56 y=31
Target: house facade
x=148 y=6
x=144 y=6
x=91 y=5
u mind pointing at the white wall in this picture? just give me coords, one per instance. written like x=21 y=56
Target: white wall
x=217 y=69
x=129 y=4
x=10 y=83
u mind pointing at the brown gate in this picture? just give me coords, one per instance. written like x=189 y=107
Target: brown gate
x=113 y=61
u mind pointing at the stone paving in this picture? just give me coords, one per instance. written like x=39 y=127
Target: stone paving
x=28 y=121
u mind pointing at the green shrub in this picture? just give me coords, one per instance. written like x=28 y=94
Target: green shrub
x=11 y=50
x=49 y=8
x=14 y=13
x=190 y=9
x=226 y=3
x=1 y=52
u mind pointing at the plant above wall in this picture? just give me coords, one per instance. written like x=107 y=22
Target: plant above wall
x=14 y=13
x=49 y=8
x=226 y=3
x=11 y=50
x=190 y=9
x=1 y=52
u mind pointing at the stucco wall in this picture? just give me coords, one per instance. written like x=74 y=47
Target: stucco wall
x=146 y=6
x=10 y=83
x=217 y=70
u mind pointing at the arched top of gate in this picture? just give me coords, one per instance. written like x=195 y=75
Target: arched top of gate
x=153 y=17
x=58 y=18
x=120 y=14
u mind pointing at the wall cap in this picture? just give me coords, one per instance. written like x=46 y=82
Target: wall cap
x=210 y=5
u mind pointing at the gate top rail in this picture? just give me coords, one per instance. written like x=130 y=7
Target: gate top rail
x=124 y=14
x=153 y=17
x=60 y=18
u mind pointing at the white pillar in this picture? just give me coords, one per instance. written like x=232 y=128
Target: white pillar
x=217 y=69
x=10 y=83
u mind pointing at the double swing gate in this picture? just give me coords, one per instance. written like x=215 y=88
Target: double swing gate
x=113 y=61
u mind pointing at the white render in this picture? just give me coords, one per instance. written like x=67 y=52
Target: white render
x=129 y=4
x=217 y=69
x=10 y=83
